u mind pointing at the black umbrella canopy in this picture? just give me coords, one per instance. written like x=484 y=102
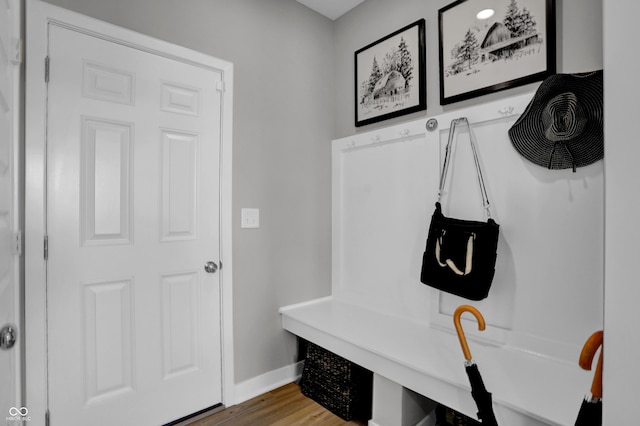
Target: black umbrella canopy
x=590 y=413
x=481 y=395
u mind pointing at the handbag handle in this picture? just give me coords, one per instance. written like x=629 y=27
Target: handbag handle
x=474 y=149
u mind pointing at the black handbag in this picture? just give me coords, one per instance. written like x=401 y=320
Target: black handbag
x=460 y=256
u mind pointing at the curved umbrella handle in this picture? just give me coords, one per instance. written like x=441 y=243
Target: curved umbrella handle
x=586 y=360
x=456 y=321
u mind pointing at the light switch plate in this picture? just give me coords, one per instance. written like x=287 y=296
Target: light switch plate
x=250 y=218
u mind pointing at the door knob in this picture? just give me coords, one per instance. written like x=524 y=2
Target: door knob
x=211 y=267
x=7 y=337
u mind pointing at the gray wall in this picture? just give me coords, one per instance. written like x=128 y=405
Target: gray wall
x=282 y=54
x=293 y=94
x=579 y=48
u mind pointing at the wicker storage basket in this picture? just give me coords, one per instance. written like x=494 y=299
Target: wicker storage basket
x=337 y=384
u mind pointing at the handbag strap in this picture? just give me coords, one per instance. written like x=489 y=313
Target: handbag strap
x=447 y=160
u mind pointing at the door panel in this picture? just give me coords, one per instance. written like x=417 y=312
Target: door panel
x=132 y=217
x=179 y=189
x=107 y=154
x=108 y=340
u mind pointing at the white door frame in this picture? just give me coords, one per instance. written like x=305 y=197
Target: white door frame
x=39 y=16
x=15 y=9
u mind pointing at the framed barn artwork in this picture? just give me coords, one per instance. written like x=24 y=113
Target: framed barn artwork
x=390 y=76
x=492 y=45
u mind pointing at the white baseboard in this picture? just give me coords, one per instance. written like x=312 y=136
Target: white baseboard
x=267 y=382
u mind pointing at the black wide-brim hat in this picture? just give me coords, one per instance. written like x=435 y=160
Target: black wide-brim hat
x=562 y=126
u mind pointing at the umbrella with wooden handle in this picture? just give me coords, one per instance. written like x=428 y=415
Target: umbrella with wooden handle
x=479 y=392
x=590 y=413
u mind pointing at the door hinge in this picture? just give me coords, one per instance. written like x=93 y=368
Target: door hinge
x=17 y=52
x=46 y=247
x=17 y=248
x=220 y=86
x=46 y=69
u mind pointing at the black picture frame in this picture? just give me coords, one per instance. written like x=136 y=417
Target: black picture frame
x=514 y=47
x=390 y=76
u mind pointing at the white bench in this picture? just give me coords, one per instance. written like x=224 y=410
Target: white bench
x=528 y=389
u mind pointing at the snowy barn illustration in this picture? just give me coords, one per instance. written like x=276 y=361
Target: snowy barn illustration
x=499 y=42
x=390 y=84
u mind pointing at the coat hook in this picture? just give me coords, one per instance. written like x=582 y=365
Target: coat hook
x=506 y=110
x=432 y=124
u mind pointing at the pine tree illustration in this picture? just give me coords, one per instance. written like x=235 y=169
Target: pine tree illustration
x=406 y=63
x=518 y=22
x=468 y=51
x=376 y=74
x=528 y=22
x=512 y=18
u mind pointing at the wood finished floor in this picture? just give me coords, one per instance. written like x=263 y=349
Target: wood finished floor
x=285 y=406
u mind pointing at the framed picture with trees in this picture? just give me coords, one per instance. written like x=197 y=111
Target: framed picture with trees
x=492 y=45
x=390 y=76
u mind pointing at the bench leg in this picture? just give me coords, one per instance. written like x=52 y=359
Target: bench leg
x=394 y=405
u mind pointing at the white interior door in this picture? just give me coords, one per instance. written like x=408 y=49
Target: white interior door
x=10 y=329
x=133 y=145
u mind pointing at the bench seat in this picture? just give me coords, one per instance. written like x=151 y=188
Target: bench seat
x=528 y=389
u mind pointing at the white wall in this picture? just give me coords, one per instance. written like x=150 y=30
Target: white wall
x=622 y=210
x=546 y=261
x=282 y=55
